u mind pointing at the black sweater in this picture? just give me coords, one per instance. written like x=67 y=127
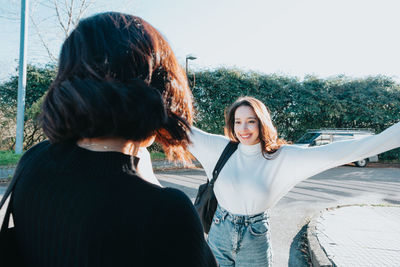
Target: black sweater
x=75 y=207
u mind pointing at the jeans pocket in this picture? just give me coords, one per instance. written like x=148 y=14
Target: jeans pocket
x=259 y=228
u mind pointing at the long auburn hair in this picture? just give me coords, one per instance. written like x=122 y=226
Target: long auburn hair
x=122 y=48
x=268 y=134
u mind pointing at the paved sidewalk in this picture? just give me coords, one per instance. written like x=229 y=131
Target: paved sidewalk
x=356 y=236
x=6 y=171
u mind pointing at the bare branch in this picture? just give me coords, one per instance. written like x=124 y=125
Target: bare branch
x=69 y=14
x=82 y=10
x=63 y=14
x=59 y=18
x=50 y=54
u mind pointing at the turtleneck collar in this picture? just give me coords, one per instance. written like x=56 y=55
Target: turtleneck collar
x=250 y=149
x=256 y=149
x=99 y=163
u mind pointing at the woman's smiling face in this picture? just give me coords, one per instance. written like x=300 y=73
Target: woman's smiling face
x=246 y=125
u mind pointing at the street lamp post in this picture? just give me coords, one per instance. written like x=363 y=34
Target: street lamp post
x=22 y=77
x=189 y=57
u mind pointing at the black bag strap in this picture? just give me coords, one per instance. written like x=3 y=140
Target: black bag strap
x=20 y=167
x=9 y=189
x=226 y=154
x=6 y=218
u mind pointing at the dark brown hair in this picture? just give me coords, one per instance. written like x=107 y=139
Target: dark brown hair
x=268 y=135
x=113 y=50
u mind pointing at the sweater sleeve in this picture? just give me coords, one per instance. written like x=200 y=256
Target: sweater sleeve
x=207 y=148
x=145 y=167
x=308 y=161
x=181 y=233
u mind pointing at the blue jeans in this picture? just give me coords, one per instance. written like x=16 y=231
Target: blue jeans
x=240 y=240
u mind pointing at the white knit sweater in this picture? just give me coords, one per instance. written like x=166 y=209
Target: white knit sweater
x=145 y=168
x=249 y=184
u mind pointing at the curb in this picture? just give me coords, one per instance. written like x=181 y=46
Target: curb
x=158 y=165
x=163 y=165
x=317 y=253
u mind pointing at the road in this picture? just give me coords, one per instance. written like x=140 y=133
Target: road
x=339 y=186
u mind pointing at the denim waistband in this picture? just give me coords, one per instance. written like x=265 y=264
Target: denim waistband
x=240 y=219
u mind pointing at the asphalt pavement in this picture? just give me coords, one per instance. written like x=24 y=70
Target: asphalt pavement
x=347 y=235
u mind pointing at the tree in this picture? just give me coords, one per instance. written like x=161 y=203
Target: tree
x=38 y=81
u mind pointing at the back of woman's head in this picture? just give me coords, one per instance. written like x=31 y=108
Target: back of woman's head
x=268 y=135
x=120 y=48
x=85 y=108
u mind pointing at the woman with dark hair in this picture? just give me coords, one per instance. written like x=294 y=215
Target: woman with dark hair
x=83 y=198
x=260 y=172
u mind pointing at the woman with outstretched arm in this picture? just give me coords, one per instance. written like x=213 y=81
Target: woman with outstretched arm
x=260 y=172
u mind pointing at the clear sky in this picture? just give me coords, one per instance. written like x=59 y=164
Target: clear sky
x=293 y=37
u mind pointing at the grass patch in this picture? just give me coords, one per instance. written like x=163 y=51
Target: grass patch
x=9 y=158
x=157 y=155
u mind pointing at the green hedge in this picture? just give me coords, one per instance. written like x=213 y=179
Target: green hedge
x=297 y=105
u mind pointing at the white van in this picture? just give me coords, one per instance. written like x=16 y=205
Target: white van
x=326 y=136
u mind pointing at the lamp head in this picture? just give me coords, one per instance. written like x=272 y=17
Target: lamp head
x=191 y=57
